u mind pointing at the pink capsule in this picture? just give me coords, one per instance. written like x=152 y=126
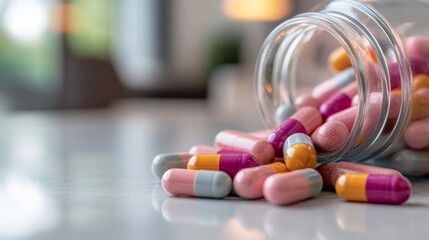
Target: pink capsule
x=326 y=89
x=203 y=149
x=346 y=116
x=305 y=120
x=305 y=100
x=238 y=141
x=418 y=45
x=416 y=134
x=230 y=163
x=330 y=136
x=291 y=187
x=182 y=182
x=332 y=171
x=248 y=182
x=262 y=134
x=339 y=101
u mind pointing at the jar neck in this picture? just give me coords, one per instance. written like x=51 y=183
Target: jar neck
x=357 y=27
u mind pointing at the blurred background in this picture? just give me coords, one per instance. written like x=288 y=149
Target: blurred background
x=92 y=53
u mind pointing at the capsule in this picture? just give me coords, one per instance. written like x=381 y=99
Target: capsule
x=418 y=63
x=416 y=134
x=203 y=149
x=248 y=182
x=373 y=188
x=262 y=134
x=330 y=136
x=299 y=152
x=339 y=101
x=332 y=171
x=305 y=120
x=326 y=89
x=421 y=81
x=418 y=45
x=230 y=163
x=306 y=100
x=283 y=112
x=163 y=162
x=411 y=162
x=346 y=116
x=339 y=60
x=290 y=187
x=202 y=183
x=421 y=103
x=239 y=141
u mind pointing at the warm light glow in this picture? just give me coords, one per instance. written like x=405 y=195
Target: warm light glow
x=238 y=232
x=25 y=20
x=257 y=10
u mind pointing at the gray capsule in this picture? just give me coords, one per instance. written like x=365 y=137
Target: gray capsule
x=411 y=162
x=165 y=161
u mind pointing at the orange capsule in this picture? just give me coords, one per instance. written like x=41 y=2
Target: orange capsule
x=339 y=60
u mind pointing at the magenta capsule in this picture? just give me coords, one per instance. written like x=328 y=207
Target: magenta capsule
x=232 y=140
x=305 y=120
x=419 y=64
x=229 y=163
x=182 y=182
x=338 y=101
x=248 y=182
x=363 y=187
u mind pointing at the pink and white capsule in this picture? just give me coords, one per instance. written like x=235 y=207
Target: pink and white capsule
x=201 y=183
x=291 y=187
x=326 y=89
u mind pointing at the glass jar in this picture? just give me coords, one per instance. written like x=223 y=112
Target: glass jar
x=375 y=35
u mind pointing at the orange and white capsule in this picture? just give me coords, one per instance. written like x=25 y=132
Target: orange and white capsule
x=299 y=152
x=230 y=163
x=363 y=187
x=291 y=187
x=248 y=183
x=210 y=184
x=239 y=141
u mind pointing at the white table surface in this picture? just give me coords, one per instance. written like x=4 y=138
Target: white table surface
x=86 y=175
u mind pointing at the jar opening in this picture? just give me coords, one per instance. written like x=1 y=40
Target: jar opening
x=293 y=60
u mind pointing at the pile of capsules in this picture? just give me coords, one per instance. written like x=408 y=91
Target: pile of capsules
x=280 y=164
